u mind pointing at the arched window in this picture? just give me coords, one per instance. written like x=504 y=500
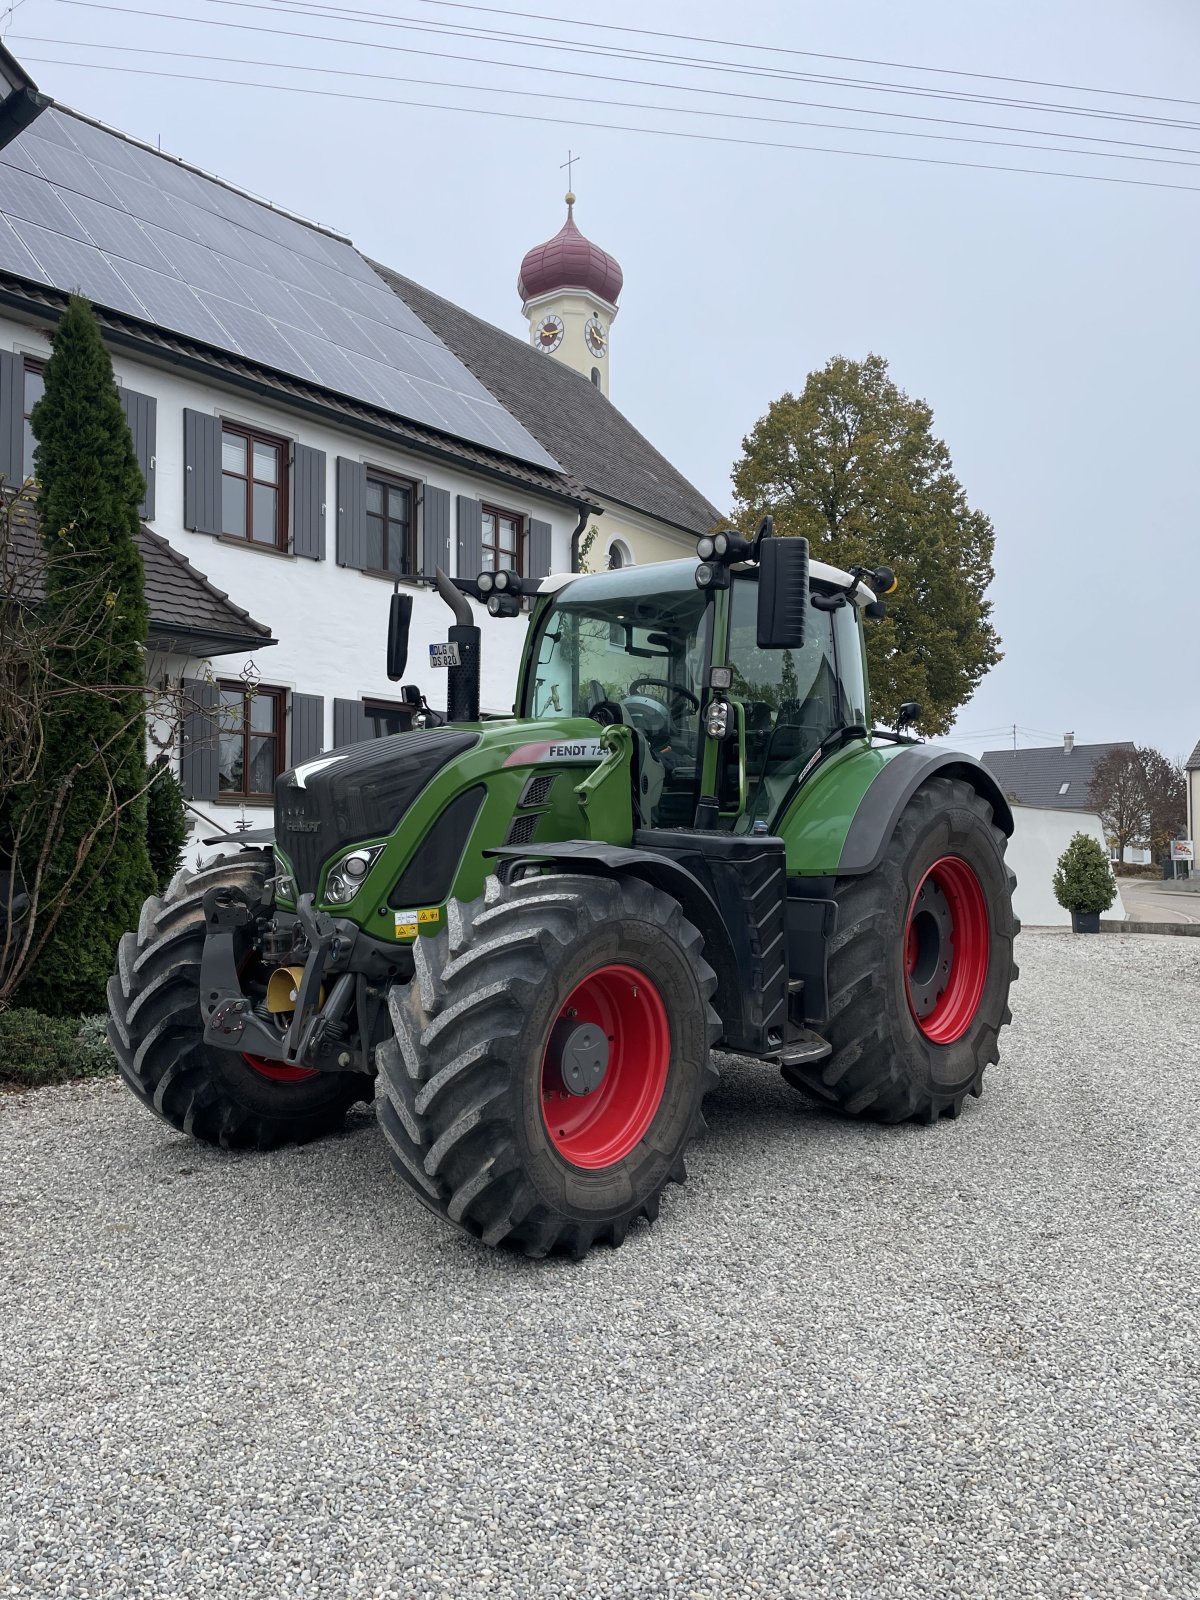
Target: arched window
x=596 y=376
x=619 y=555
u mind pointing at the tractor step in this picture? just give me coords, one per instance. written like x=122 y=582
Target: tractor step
x=804 y=1046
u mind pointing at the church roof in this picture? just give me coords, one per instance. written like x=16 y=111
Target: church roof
x=569 y=261
x=573 y=420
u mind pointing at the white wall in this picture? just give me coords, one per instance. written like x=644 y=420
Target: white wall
x=330 y=621
x=645 y=539
x=1039 y=837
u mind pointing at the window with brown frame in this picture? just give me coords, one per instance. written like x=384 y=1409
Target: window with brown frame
x=254 y=486
x=391 y=525
x=250 y=725
x=35 y=387
x=503 y=536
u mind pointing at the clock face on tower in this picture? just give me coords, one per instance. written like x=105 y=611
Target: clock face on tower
x=548 y=334
x=597 y=338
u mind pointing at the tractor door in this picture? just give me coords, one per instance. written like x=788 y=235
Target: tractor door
x=787 y=702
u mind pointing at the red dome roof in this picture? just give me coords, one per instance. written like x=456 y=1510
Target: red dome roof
x=569 y=261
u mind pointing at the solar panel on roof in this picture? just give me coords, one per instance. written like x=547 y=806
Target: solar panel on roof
x=138 y=233
x=14 y=257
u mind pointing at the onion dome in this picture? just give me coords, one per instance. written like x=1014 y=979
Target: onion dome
x=569 y=261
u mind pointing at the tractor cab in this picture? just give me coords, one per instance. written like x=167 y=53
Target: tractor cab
x=650 y=648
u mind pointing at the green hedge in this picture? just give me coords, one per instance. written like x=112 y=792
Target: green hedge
x=35 y=1049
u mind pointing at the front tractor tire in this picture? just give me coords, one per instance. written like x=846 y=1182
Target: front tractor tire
x=156 y=1029
x=920 y=966
x=549 y=1061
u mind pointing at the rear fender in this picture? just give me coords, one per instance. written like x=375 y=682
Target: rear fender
x=840 y=821
x=885 y=800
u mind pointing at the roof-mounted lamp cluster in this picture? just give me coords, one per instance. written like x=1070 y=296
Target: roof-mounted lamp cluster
x=501 y=591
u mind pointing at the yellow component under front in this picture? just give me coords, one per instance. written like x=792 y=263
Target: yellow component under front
x=283 y=990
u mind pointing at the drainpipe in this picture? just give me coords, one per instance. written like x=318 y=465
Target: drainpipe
x=584 y=513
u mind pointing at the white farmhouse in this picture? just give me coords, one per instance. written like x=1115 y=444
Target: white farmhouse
x=313 y=431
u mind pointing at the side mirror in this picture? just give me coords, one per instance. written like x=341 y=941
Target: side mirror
x=908 y=715
x=782 y=593
x=399 y=619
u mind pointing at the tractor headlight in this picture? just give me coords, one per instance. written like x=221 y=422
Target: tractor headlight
x=344 y=877
x=706 y=547
x=484 y=582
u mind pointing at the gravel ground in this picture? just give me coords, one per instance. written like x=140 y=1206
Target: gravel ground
x=848 y=1361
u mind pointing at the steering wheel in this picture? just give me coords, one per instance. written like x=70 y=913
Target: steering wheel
x=672 y=688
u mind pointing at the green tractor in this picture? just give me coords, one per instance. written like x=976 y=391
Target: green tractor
x=523 y=938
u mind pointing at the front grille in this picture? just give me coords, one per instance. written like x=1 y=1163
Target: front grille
x=302 y=836
x=362 y=794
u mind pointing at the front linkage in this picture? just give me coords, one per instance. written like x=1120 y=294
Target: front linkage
x=327 y=1035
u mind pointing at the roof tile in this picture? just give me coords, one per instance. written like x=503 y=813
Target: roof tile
x=579 y=426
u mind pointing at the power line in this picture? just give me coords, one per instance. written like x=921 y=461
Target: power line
x=682 y=88
x=327 y=10
x=635 y=105
x=812 y=55
x=298 y=8
x=620 y=127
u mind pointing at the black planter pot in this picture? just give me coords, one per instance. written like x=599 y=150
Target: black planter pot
x=1085 y=922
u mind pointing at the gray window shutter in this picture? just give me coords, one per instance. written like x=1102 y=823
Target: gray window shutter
x=470 y=537
x=12 y=417
x=201 y=472
x=308 y=502
x=435 y=531
x=350 y=723
x=199 y=750
x=351 y=513
x=308 y=727
x=537 y=564
x=141 y=413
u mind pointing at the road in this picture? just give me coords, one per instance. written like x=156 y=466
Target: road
x=1150 y=900
x=848 y=1362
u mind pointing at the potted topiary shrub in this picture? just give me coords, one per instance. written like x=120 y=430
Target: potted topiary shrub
x=1084 y=883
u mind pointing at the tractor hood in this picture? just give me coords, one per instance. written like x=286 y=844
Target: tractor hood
x=337 y=800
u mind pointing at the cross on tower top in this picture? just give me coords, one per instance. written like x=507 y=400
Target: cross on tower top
x=569 y=163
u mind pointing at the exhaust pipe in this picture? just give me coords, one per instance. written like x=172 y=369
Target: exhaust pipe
x=462 y=687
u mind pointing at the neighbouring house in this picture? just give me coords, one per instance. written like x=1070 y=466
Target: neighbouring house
x=1191 y=773
x=1049 y=790
x=308 y=440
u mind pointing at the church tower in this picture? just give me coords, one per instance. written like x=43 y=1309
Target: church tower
x=569 y=289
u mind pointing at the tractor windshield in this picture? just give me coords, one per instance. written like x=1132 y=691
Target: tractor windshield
x=631 y=646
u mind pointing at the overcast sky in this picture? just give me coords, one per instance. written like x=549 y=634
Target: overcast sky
x=1052 y=324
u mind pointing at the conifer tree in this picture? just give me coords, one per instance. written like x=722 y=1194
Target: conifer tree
x=94 y=755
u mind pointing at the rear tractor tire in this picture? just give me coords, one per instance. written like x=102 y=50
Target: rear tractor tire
x=920 y=966
x=155 y=1028
x=549 y=1061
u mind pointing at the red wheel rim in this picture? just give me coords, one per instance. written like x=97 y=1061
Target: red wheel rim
x=278 y=1071
x=946 y=945
x=601 y=1128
